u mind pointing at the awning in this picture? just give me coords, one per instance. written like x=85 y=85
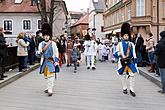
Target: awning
x=108 y=32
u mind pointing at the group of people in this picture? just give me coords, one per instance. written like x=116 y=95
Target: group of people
x=52 y=54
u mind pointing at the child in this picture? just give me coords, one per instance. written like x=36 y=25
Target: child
x=75 y=56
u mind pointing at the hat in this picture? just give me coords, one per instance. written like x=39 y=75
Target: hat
x=46 y=30
x=125 y=29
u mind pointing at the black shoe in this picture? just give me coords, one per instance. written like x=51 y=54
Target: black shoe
x=67 y=65
x=75 y=71
x=50 y=94
x=132 y=93
x=88 y=68
x=125 y=91
x=3 y=76
x=93 y=68
x=162 y=92
x=46 y=91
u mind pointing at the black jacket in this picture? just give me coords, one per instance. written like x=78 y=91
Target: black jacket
x=160 y=53
x=139 y=44
x=3 y=47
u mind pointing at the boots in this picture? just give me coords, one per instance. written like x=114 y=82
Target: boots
x=152 y=70
x=1 y=78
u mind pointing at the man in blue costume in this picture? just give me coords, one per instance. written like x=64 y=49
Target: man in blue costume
x=50 y=53
x=126 y=49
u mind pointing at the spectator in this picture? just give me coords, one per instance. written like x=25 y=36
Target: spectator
x=31 y=53
x=3 y=53
x=22 y=51
x=160 y=53
x=139 y=49
x=150 y=51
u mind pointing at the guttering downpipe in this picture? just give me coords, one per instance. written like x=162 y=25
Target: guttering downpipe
x=157 y=20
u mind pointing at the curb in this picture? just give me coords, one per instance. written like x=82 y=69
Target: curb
x=17 y=76
x=150 y=78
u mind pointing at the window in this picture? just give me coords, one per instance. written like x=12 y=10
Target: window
x=140 y=7
x=34 y=2
x=26 y=25
x=113 y=20
x=117 y=17
x=8 y=25
x=129 y=12
x=39 y=24
x=122 y=17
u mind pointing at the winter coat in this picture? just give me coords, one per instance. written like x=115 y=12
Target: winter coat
x=160 y=52
x=22 y=48
x=3 y=47
x=75 y=54
x=150 y=44
x=139 y=44
x=122 y=47
x=50 y=52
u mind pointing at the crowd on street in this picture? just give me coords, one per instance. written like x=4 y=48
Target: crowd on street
x=53 y=53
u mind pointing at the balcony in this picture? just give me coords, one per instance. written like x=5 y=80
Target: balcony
x=141 y=20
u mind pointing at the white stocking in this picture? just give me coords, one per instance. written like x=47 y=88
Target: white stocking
x=124 y=81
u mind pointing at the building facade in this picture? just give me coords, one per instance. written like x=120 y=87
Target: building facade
x=23 y=16
x=96 y=23
x=80 y=27
x=144 y=16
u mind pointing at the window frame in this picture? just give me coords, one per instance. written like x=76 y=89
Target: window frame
x=129 y=12
x=30 y=24
x=11 y=25
x=140 y=8
x=38 y=24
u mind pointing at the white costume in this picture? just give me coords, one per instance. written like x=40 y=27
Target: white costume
x=90 y=52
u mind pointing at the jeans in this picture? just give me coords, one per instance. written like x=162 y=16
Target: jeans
x=139 y=57
x=162 y=75
x=151 y=57
x=25 y=62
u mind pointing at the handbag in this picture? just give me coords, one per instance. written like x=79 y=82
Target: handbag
x=126 y=61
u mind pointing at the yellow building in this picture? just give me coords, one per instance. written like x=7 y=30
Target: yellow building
x=141 y=14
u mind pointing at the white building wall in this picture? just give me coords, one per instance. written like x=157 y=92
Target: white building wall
x=98 y=24
x=17 y=21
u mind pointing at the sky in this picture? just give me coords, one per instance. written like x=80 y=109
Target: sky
x=77 y=5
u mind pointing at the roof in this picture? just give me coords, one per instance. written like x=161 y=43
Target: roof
x=24 y=7
x=75 y=15
x=82 y=20
x=99 y=5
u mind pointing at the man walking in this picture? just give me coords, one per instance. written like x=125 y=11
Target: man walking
x=160 y=53
x=3 y=53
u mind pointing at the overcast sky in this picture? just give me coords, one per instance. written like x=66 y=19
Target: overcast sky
x=77 y=5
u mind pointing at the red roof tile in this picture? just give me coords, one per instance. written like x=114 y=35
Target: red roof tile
x=25 y=6
x=83 y=20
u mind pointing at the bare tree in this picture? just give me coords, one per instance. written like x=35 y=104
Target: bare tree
x=47 y=9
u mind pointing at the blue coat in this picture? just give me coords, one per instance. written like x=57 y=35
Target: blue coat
x=122 y=48
x=50 y=52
